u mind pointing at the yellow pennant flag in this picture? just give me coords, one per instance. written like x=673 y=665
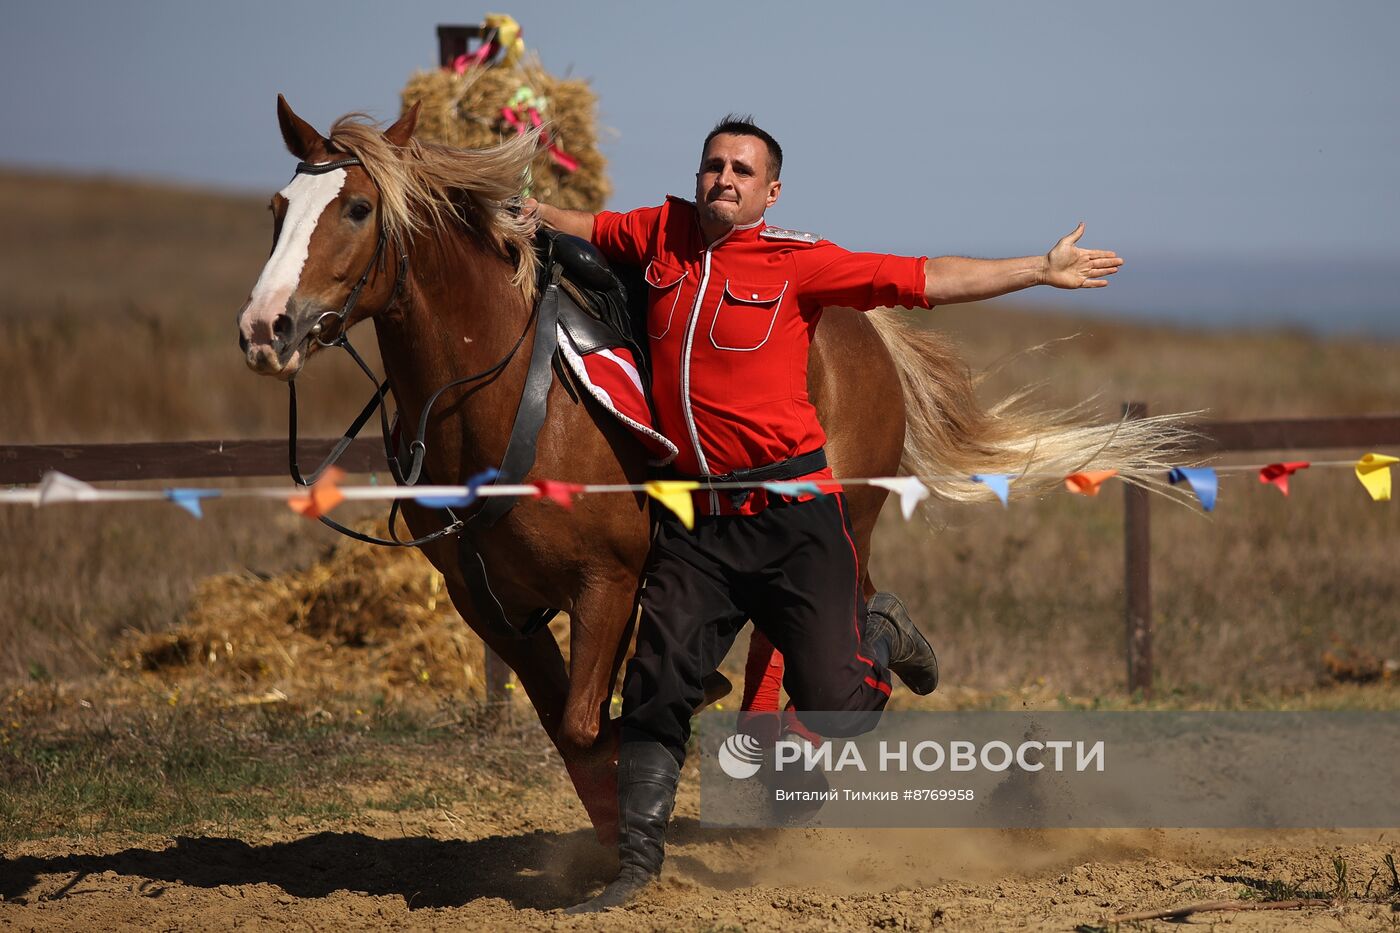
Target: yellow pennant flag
x=1374 y=472
x=675 y=495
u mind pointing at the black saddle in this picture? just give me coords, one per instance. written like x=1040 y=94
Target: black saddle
x=608 y=306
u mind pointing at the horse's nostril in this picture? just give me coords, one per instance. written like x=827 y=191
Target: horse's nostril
x=281 y=331
x=242 y=342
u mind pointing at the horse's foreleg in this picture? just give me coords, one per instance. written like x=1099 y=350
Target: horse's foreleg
x=600 y=628
x=537 y=661
x=539 y=666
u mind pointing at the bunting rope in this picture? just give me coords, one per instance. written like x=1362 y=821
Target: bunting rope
x=1372 y=471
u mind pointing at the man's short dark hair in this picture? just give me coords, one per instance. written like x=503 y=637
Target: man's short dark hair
x=741 y=124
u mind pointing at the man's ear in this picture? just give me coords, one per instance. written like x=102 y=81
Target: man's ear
x=402 y=131
x=774 y=190
x=298 y=135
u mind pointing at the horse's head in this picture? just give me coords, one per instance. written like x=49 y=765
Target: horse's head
x=327 y=239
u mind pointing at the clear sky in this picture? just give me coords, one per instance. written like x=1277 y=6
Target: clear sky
x=1242 y=156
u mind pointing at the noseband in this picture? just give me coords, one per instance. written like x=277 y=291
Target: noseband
x=318 y=329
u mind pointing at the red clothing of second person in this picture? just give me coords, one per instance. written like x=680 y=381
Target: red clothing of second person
x=730 y=326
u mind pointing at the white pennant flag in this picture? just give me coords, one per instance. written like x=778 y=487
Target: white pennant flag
x=911 y=491
x=60 y=487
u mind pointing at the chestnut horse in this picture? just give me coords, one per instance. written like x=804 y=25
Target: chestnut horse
x=452 y=294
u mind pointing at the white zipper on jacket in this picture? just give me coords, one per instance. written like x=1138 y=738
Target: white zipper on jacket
x=685 y=359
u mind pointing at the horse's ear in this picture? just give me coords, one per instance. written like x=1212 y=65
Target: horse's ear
x=298 y=135
x=402 y=131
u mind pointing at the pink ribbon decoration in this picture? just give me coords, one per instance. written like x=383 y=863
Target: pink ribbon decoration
x=561 y=158
x=461 y=63
x=1278 y=473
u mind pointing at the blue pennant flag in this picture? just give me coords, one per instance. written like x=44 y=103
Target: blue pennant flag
x=793 y=489
x=188 y=499
x=1202 y=480
x=458 y=502
x=998 y=483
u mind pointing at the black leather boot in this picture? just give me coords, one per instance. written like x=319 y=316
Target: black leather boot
x=647 y=775
x=910 y=655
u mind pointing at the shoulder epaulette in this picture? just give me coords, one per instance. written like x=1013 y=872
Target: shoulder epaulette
x=781 y=233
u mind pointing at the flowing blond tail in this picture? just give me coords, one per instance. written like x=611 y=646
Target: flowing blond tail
x=949 y=435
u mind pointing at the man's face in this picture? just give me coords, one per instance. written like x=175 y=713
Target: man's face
x=733 y=187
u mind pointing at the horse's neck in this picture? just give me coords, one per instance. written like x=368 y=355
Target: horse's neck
x=459 y=315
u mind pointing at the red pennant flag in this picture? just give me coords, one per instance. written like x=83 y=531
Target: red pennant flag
x=324 y=495
x=1278 y=473
x=828 y=486
x=561 y=494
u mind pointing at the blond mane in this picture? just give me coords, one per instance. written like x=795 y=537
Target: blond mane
x=425 y=187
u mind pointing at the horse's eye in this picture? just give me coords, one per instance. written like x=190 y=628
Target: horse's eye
x=360 y=210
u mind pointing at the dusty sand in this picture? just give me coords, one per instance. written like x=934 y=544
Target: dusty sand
x=515 y=867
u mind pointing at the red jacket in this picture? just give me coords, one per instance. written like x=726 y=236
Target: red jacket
x=730 y=327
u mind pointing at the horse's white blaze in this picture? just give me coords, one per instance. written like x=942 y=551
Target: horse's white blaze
x=307 y=196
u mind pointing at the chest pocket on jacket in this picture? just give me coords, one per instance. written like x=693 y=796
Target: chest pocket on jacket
x=665 y=287
x=745 y=316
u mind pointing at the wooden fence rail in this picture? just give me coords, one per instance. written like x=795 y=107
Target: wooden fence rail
x=27 y=463
x=1362 y=432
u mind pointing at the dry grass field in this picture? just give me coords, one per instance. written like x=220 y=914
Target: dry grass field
x=119 y=305
x=302 y=740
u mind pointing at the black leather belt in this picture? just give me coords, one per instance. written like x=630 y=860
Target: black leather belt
x=792 y=468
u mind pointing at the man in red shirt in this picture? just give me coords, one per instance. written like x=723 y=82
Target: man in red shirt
x=732 y=307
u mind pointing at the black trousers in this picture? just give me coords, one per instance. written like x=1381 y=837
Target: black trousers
x=792 y=569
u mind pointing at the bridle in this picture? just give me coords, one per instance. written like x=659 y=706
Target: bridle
x=317 y=329
x=418 y=448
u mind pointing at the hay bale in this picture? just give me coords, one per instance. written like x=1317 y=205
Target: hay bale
x=464 y=110
x=362 y=619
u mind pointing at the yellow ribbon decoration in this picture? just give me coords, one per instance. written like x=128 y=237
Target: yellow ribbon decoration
x=675 y=495
x=1374 y=472
x=507 y=35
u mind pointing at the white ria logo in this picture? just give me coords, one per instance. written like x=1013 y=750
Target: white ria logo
x=740 y=756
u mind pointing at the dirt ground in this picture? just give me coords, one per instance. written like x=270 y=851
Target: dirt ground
x=514 y=868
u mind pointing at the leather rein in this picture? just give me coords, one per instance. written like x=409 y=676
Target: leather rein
x=418 y=447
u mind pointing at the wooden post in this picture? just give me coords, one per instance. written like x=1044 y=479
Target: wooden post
x=1137 y=577
x=453 y=41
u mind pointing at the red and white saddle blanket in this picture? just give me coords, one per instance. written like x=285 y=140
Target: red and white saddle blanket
x=611 y=377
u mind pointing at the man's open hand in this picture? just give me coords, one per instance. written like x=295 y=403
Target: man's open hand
x=1068 y=266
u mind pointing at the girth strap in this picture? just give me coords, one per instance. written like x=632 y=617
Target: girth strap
x=530 y=413
x=519 y=458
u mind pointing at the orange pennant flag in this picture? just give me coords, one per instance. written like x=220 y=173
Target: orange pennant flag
x=1088 y=482
x=322 y=497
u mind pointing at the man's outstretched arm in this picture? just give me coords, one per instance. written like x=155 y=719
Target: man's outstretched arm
x=953 y=279
x=577 y=223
